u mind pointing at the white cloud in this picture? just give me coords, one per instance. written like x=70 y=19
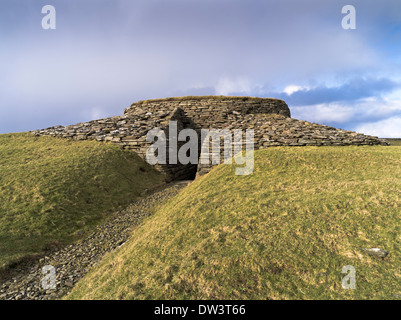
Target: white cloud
x=364 y=110
x=388 y=128
x=293 y=88
x=324 y=113
x=227 y=86
x=97 y=113
x=395 y=95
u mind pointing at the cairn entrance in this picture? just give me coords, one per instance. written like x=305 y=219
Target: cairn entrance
x=269 y=118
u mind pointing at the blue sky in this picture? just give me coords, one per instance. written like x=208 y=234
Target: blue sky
x=106 y=54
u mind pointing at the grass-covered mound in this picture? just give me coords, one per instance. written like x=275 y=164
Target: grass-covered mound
x=284 y=232
x=54 y=190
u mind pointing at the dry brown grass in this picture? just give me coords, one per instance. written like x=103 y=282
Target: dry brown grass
x=185 y=98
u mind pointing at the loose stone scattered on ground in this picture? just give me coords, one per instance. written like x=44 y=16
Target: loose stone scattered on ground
x=71 y=263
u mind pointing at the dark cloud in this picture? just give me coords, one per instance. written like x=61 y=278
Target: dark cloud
x=106 y=54
x=356 y=89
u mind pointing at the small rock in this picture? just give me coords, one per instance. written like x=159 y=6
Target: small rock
x=376 y=252
x=75 y=260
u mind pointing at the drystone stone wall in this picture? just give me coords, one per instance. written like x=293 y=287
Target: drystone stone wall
x=269 y=118
x=209 y=112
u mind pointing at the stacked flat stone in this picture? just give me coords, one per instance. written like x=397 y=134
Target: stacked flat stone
x=269 y=118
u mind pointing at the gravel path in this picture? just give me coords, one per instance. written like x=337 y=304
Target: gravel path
x=74 y=261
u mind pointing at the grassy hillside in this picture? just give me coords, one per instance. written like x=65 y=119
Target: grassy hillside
x=54 y=190
x=394 y=142
x=284 y=232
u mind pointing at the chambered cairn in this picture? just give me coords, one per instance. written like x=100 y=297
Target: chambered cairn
x=269 y=119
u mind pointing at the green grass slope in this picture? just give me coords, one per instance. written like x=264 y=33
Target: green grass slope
x=394 y=141
x=53 y=190
x=284 y=232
